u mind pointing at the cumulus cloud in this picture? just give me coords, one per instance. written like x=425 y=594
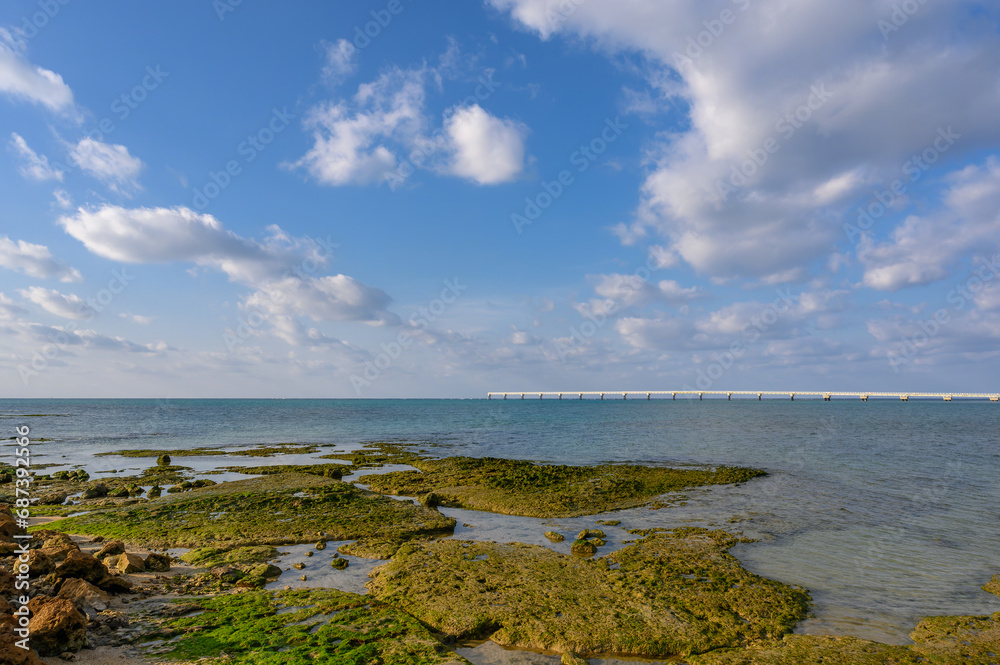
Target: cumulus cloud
x=349 y=144
x=925 y=249
x=33 y=166
x=34 y=261
x=486 y=149
x=22 y=80
x=278 y=269
x=66 y=306
x=111 y=164
x=136 y=318
x=383 y=132
x=842 y=107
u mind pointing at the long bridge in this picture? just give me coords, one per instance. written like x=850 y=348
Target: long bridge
x=759 y=394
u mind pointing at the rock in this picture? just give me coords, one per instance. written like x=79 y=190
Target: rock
x=993 y=586
x=83 y=566
x=85 y=596
x=266 y=570
x=54 y=499
x=157 y=563
x=111 y=547
x=39 y=563
x=130 y=563
x=115 y=584
x=572 y=659
x=609 y=522
x=96 y=491
x=8 y=527
x=555 y=537
x=583 y=547
x=112 y=561
x=6 y=583
x=339 y=563
x=56 y=626
x=227 y=574
x=118 y=493
x=163 y=460
x=321 y=545
x=58 y=554
x=591 y=533
x=430 y=500
x=298 y=566
x=155 y=492
x=15 y=655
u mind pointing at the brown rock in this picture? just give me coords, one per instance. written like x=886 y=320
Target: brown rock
x=15 y=655
x=84 y=595
x=115 y=584
x=54 y=499
x=130 y=563
x=227 y=573
x=59 y=540
x=8 y=527
x=56 y=626
x=59 y=553
x=6 y=583
x=6 y=609
x=157 y=563
x=83 y=566
x=39 y=563
x=111 y=547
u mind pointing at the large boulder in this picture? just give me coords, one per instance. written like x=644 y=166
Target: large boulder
x=83 y=566
x=130 y=563
x=111 y=547
x=15 y=655
x=227 y=574
x=157 y=563
x=59 y=553
x=39 y=563
x=85 y=596
x=56 y=626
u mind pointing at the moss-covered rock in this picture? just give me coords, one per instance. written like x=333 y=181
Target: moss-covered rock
x=210 y=557
x=273 y=510
x=317 y=626
x=993 y=586
x=325 y=470
x=555 y=537
x=674 y=593
x=583 y=547
x=515 y=487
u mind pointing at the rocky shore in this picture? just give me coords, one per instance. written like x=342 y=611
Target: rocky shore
x=166 y=567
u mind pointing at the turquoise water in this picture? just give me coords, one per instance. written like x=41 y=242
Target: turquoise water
x=886 y=511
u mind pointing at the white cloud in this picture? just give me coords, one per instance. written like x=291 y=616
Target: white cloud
x=136 y=318
x=111 y=164
x=884 y=102
x=67 y=306
x=926 y=249
x=485 y=149
x=8 y=309
x=33 y=166
x=63 y=199
x=340 y=62
x=34 y=261
x=349 y=145
x=274 y=268
x=22 y=80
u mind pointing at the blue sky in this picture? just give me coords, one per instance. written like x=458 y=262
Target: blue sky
x=415 y=199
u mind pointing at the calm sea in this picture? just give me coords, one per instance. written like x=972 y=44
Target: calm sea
x=886 y=511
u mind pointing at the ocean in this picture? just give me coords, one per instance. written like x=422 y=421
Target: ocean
x=886 y=511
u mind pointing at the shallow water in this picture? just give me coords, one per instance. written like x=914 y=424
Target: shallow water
x=886 y=511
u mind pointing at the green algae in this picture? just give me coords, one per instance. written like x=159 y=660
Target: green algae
x=272 y=510
x=676 y=593
x=326 y=470
x=993 y=586
x=210 y=557
x=300 y=627
x=937 y=641
x=515 y=487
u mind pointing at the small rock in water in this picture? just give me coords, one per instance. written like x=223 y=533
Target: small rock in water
x=555 y=537
x=339 y=563
x=309 y=553
x=321 y=545
x=298 y=566
x=303 y=578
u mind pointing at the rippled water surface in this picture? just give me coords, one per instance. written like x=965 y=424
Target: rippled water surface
x=886 y=511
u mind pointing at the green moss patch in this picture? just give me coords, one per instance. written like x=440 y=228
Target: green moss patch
x=209 y=557
x=514 y=487
x=325 y=470
x=273 y=510
x=676 y=593
x=323 y=626
x=937 y=641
